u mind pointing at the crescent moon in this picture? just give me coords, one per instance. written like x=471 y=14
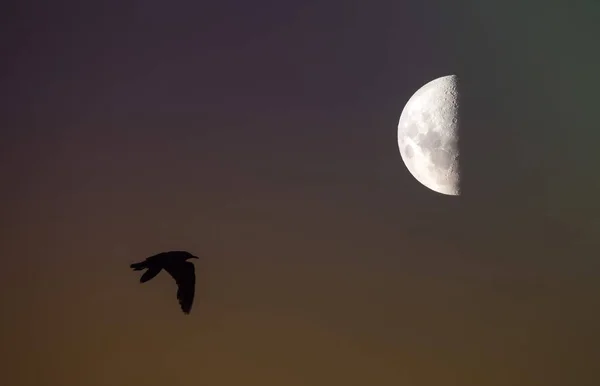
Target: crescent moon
x=428 y=132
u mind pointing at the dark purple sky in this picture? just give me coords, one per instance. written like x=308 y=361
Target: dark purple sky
x=262 y=136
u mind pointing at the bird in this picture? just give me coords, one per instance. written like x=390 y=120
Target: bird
x=177 y=265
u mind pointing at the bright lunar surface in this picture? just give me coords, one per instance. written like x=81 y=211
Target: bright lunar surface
x=428 y=135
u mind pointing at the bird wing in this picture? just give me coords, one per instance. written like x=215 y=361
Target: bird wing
x=185 y=277
x=150 y=273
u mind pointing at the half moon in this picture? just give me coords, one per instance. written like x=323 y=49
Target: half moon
x=428 y=133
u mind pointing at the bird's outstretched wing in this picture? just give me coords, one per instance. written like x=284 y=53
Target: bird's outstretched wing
x=185 y=277
x=150 y=273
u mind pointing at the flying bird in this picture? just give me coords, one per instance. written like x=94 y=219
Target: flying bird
x=177 y=265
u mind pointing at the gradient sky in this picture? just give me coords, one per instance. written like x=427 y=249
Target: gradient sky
x=261 y=135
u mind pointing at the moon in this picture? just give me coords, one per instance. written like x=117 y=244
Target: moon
x=428 y=133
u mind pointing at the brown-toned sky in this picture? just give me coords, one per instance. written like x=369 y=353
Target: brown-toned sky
x=262 y=137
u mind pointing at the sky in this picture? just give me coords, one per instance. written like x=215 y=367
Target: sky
x=261 y=136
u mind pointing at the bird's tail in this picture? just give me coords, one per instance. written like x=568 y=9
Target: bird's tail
x=138 y=266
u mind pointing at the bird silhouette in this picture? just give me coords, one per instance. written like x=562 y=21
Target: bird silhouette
x=176 y=264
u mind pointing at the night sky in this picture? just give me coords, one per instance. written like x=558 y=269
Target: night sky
x=261 y=136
